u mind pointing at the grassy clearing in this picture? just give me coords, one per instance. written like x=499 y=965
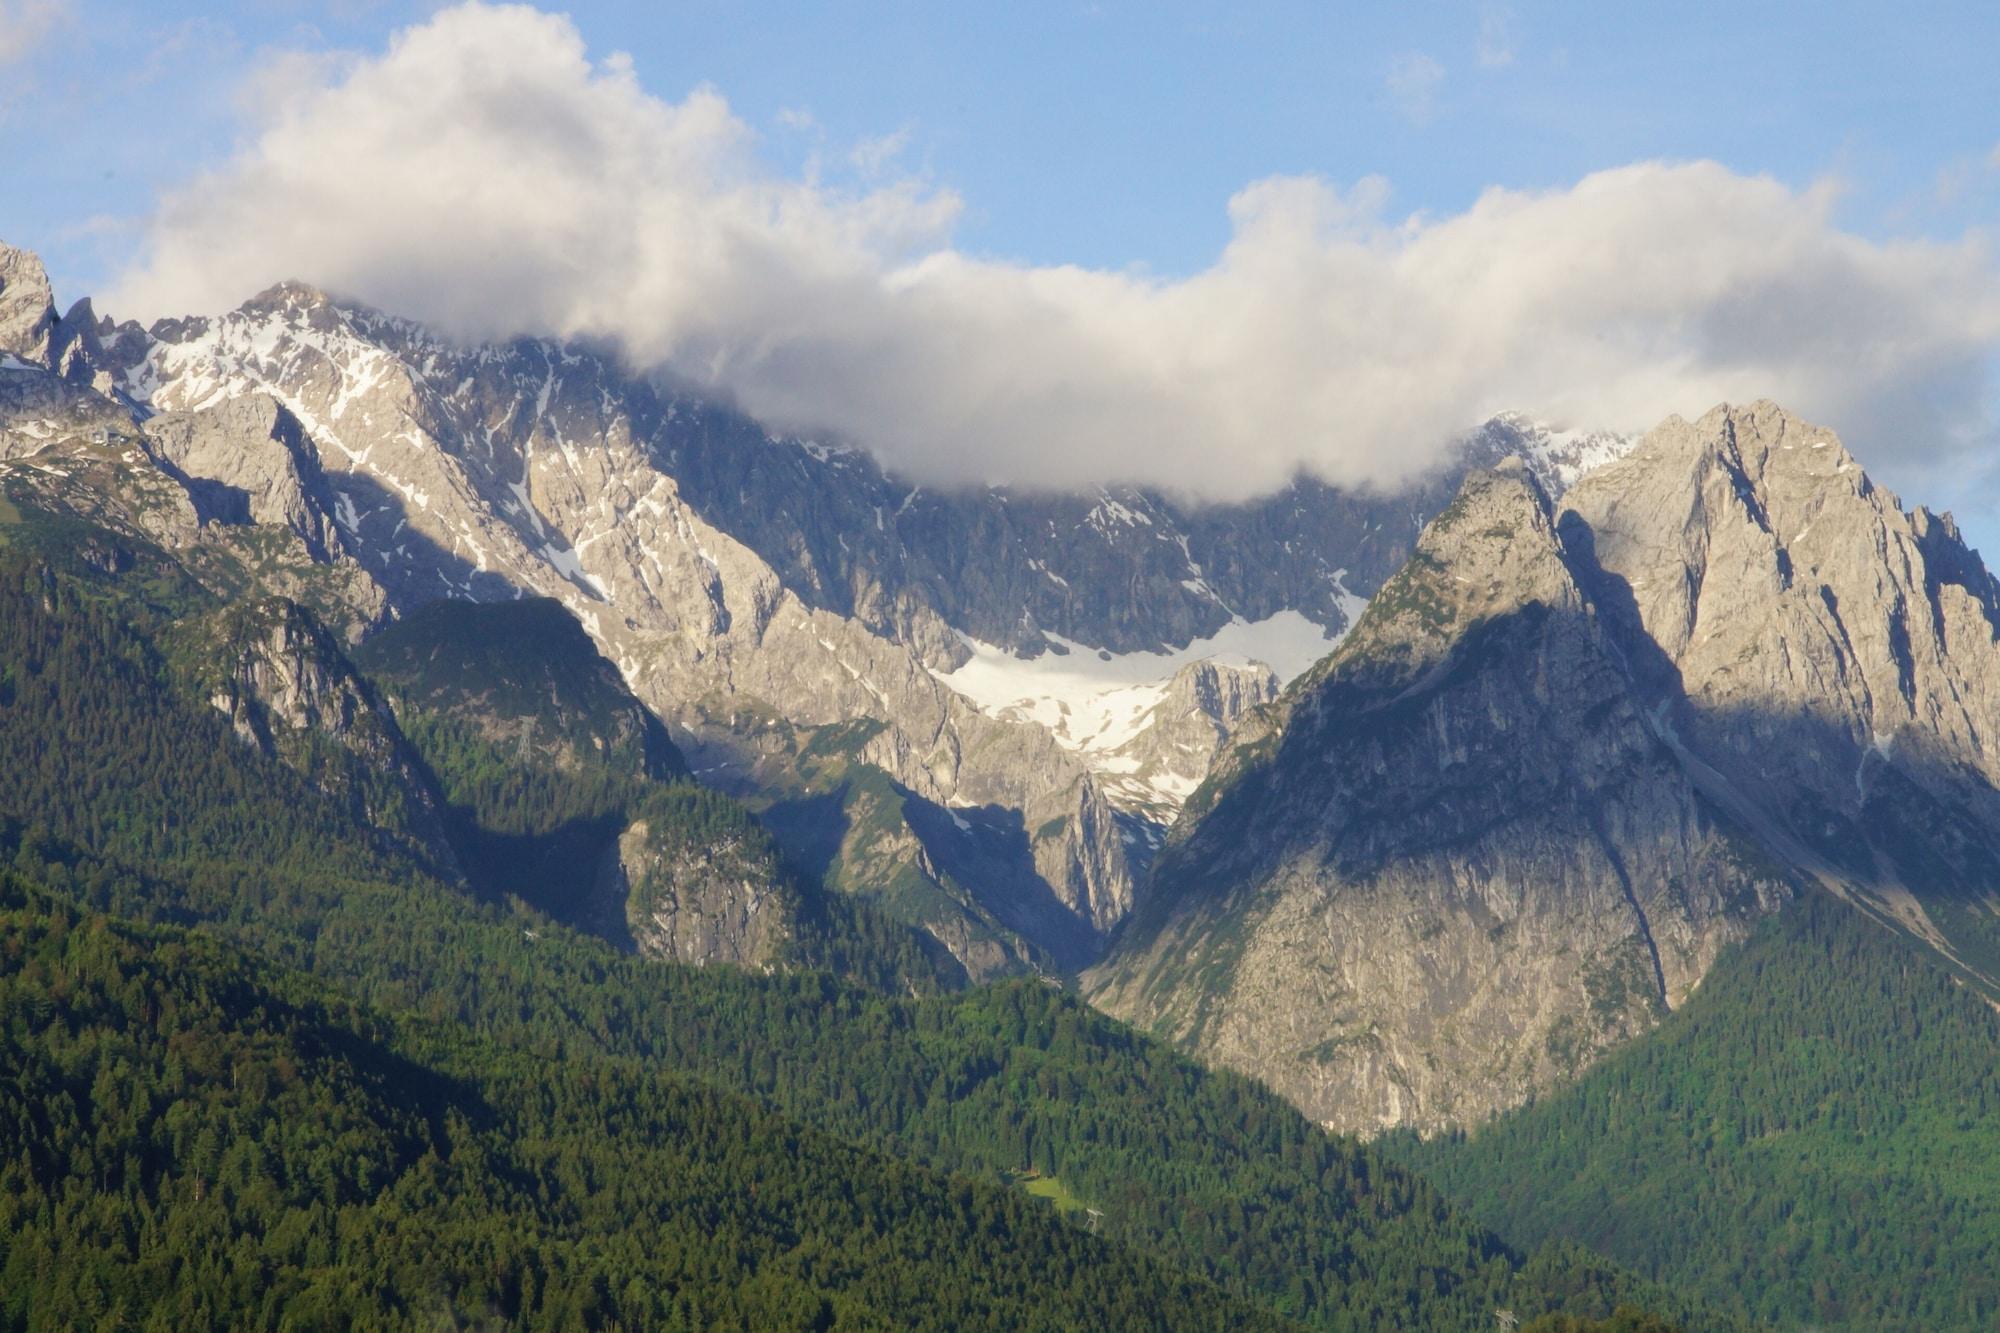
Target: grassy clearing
x=1046 y=1187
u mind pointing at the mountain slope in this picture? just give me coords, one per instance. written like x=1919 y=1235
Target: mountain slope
x=1453 y=863
x=491 y=472
x=187 y=1137
x=513 y=760
x=1807 y=1142
x=757 y=593
x=1723 y=669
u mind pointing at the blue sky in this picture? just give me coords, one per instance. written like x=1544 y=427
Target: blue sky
x=1111 y=134
x=1113 y=137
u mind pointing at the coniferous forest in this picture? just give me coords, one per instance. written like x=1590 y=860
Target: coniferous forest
x=1806 y=1141
x=270 y=1062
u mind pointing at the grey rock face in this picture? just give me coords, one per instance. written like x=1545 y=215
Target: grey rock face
x=283 y=675
x=1832 y=660
x=1454 y=863
x=696 y=904
x=27 y=306
x=91 y=352
x=1125 y=569
x=246 y=460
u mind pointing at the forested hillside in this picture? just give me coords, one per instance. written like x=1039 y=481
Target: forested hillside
x=196 y=1141
x=1808 y=1142
x=135 y=800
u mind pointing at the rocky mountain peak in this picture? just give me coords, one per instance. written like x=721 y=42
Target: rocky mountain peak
x=1722 y=668
x=1454 y=863
x=288 y=298
x=1557 y=457
x=27 y=305
x=1492 y=550
x=1761 y=560
x=1833 y=660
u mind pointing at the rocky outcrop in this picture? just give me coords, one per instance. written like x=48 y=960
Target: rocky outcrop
x=40 y=412
x=1557 y=459
x=698 y=901
x=245 y=460
x=27 y=306
x=287 y=688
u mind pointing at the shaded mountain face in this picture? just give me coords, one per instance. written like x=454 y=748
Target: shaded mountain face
x=1453 y=863
x=1570 y=751
x=526 y=678
x=1829 y=660
x=785 y=608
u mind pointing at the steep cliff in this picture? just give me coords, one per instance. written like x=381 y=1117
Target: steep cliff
x=1454 y=862
x=1829 y=662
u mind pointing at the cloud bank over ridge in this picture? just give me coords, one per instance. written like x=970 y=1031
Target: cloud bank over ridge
x=486 y=175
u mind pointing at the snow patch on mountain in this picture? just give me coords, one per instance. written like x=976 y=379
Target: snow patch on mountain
x=1098 y=703
x=1561 y=457
x=1092 y=699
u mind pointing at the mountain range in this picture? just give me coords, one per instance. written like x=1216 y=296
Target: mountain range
x=1433 y=812
x=769 y=599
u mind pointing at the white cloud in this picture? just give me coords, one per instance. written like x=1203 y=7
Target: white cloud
x=25 y=25
x=1413 y=82
x=485 y=176
x=1495 y=47
x=873 y=157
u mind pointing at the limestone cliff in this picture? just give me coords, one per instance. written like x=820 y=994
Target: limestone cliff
x=1454 y=862
x=699 y=901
